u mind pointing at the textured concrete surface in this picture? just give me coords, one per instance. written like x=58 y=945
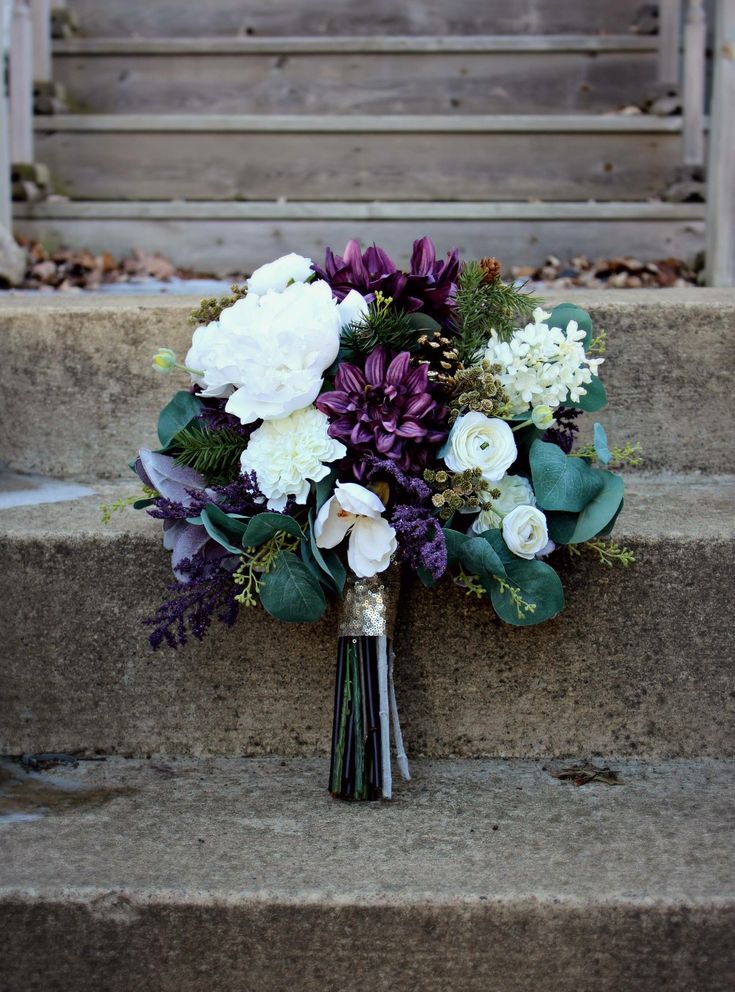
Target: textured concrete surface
x=667 y=372
x=234 y=875
x=640 y=663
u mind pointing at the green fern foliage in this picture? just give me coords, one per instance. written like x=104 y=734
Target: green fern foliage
x=213 y=453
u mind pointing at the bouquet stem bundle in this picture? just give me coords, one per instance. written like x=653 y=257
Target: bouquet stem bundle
x=365 y=699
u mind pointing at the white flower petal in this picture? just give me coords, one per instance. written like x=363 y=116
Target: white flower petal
x=357 y=499
x=332 y=524
x=525 y=531
x=278 y=274
x=352 y=308
x=372 y=544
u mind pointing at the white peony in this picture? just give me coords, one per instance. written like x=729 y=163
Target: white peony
x=477 y=441
x=278 y=274
x=542 y=365
x=515 y=490
x=268 y=353
x=525 y=532
x=286 y=454
x=357 y=511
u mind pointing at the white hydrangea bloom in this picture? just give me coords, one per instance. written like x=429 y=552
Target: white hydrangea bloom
x=268 y=353
x=542 y=365
x=286 y=454
x=515 y=490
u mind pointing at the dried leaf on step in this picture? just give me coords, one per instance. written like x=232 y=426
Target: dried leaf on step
x=585 y=772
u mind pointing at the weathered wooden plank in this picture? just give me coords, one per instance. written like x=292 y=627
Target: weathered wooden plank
x=721 y=177
x=356 y=44
x=285 y=210
x=222 y=247
x=151 y=18
x=695 y=32
x=316 y=124
x=397 y=82
x=669 y=41
x=394 y=165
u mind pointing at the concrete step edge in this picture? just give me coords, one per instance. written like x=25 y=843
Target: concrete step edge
x=360 y=123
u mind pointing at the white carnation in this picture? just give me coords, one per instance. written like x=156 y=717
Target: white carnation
x=278 y=274
x=477 y=441
x=525 y=531
x=515 y=490
x=542 y=365
x=287 y=454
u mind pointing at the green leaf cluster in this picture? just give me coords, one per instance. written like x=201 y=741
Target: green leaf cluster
x=580 y=501
x=523 y=593
x=178 y=413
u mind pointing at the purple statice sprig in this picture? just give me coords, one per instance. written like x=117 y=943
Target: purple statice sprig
x=421 y=539
x=410 y=485
x=206 y=594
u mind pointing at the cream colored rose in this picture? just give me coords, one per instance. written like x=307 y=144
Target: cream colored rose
x=477 y=441
x=525 y=532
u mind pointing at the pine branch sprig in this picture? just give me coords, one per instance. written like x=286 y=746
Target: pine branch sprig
x=382 y=324
x=483 y=303
x=215 y=454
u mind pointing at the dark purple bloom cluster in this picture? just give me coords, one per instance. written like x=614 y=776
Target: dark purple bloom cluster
x=203 y=595
x=565 y=431
x=410 y=485
x=428 y=286
x=421 y=539
x=386 y=408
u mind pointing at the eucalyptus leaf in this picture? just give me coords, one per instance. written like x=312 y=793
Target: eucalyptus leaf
x=328 y=561
x=601 y=447
x=454 y=540
x=596 y=517
x=223 y=528
x=176 y=415
x=263 y=526
x=479 y=558
x=594 y=399
x=290 y=592
x=494 y=537
x=537 y=583
x=325 y=489
x=562 y=314
x=562 y=482
x=141 y=504
x=423 y=324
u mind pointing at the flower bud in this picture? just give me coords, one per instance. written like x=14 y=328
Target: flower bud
x=164 y=360
x=543 y=417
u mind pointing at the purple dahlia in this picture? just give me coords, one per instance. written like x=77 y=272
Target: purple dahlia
x=429 y=286
x=386 y=409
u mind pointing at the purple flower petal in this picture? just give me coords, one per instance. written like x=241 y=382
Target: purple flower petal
x=375 y=366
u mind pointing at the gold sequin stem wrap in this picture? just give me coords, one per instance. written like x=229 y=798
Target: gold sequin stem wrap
x=370 y=605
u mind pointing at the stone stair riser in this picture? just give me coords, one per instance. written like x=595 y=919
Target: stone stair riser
x=223 y=247
x=436 y=83
x=167 y=18
x=638 y=664
x=383 y=165
x=90 y=363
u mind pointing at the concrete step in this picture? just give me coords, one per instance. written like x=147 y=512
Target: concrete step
x=667 y=372
x=360 y=157
x=354 y=74
x=224 y=237
x=166 y=18
x=639 y=664
x=140 y=875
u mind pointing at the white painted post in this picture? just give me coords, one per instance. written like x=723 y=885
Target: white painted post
x=41 y=15
x=21 y=84
x=6 y=205
x=720 y=249
x=695 y=40
x=669 y=42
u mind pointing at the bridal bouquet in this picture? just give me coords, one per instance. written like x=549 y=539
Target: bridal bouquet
x=347 y=420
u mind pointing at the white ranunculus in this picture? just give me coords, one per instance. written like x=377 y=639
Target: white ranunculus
x=356 y=511
x=477 y=441
x=268 y=353
x=276 y=275
x=524 y=531
x=287 y=454
x=515 y=490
